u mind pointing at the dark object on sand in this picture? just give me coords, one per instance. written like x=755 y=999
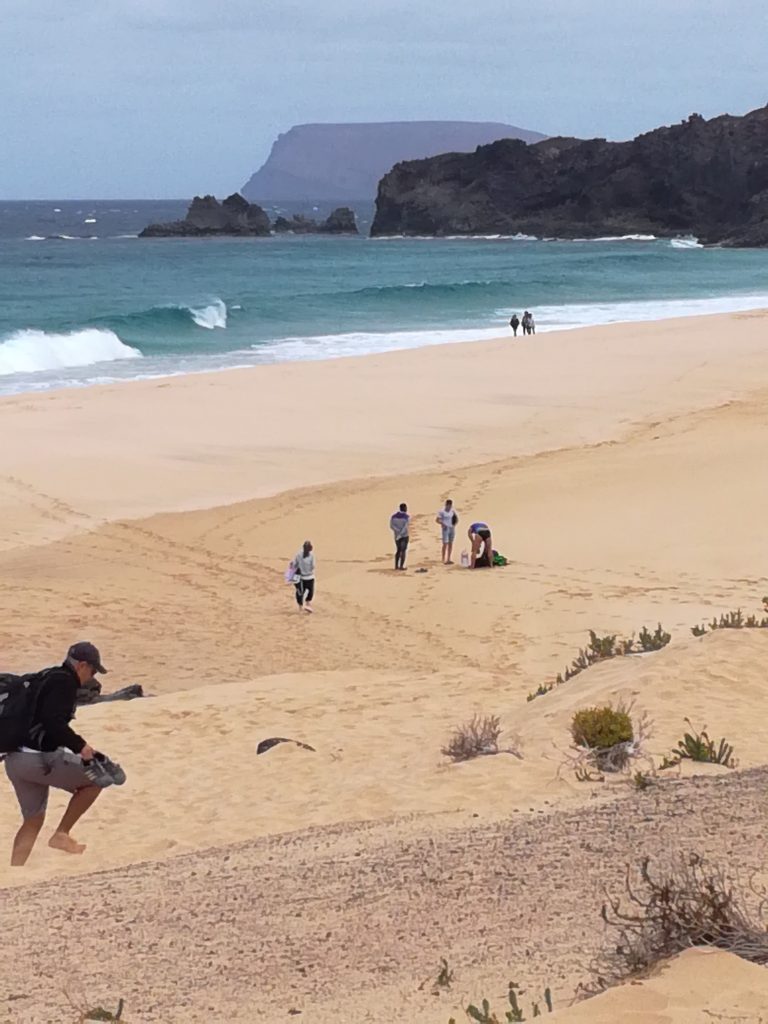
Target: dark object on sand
x=266 y=745
x=91 y=694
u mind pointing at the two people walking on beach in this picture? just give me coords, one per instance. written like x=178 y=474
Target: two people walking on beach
x=47 y=753
x=527 y=323
x=302 y=575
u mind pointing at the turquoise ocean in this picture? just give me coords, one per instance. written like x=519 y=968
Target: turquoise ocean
x=84 y=301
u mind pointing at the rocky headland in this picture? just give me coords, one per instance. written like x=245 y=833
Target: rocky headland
x=235 y=216
x=345 y=161
x=705 y=178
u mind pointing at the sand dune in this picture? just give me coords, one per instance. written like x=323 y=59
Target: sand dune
x=624 y=494
x=350 y=922
x=698 y=985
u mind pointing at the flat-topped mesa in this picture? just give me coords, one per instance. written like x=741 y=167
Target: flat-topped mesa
x=235 y=216
x=702 y=178
x=207 y=216
x=341 y=221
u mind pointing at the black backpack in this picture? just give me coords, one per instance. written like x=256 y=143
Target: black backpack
x=18 y=702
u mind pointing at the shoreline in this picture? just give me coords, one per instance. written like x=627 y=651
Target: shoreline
x=104 y=343
x=203 y=440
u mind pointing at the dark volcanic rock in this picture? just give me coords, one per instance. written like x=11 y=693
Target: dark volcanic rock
x=207 y=216
x=706 y=178
x=340 y=222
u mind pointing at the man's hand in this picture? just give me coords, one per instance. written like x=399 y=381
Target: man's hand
x=87 y=752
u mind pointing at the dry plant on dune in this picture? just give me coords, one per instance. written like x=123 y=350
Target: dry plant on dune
x=95 y=1013
x=688 y=903
x=478 y=738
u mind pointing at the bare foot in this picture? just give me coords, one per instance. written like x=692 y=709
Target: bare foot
x=64 y=842
x=307 y=609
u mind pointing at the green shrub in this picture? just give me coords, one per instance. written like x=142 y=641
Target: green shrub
x=601 y=728
x=697 y=746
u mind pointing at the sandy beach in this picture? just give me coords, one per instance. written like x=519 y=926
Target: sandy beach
x=622 y=471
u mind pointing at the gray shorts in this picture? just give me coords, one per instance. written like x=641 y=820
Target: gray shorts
x=449 y=534
x=32 y=775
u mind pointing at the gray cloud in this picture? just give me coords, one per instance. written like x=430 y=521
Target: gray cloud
x=169 y=97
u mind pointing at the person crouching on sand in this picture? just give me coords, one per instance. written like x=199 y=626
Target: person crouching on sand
x=53 y=755
x=304 y=566
x=398 y=524
x=480 y=536
x=447 y=519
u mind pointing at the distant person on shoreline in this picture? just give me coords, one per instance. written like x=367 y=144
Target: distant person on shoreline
x=514 y=323
x=480 y=536
x=526 y=322
x=398 y=524
x=304 y=576
x=447 y=519
x=51 y=754
x=531 y=324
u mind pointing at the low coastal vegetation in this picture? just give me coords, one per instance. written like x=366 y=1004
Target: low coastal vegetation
x=660 y=913
x=607 y=740
x=733 y=620
x=478 y=737
x=686 y=903
x=698 y=746
x=601 y=648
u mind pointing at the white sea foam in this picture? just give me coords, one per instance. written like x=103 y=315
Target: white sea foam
x=519 y=237
x=548 y=318
x=565 y=318
x=214 y=315
x=31 y=351
x=615 y=238
x=689 y=242
x=89 y=220
x=35 y=238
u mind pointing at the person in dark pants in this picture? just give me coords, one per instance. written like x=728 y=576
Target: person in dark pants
x=53 y=755
x=304 y=566
x=480 y=536
x=398 y=524
x=514 y=323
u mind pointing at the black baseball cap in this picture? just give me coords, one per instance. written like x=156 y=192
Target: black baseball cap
x=84 y=651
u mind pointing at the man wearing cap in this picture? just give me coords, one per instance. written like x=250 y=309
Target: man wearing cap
x=54 y=755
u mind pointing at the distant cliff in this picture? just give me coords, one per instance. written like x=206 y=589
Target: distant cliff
x=706 y=178
x=234 y=215
x=346 y=161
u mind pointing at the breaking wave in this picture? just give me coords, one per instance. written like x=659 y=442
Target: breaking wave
x=32 y=351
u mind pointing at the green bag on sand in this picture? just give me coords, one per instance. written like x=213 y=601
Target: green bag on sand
x=499 y=559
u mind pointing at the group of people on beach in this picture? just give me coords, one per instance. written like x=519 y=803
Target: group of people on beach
x=301 y=568
x=527 y=323
x=479 y=535
x=41 y=750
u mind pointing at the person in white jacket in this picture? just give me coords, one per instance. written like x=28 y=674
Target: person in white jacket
x=304 y=576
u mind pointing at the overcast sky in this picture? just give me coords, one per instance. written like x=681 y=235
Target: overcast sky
x=166 y=98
